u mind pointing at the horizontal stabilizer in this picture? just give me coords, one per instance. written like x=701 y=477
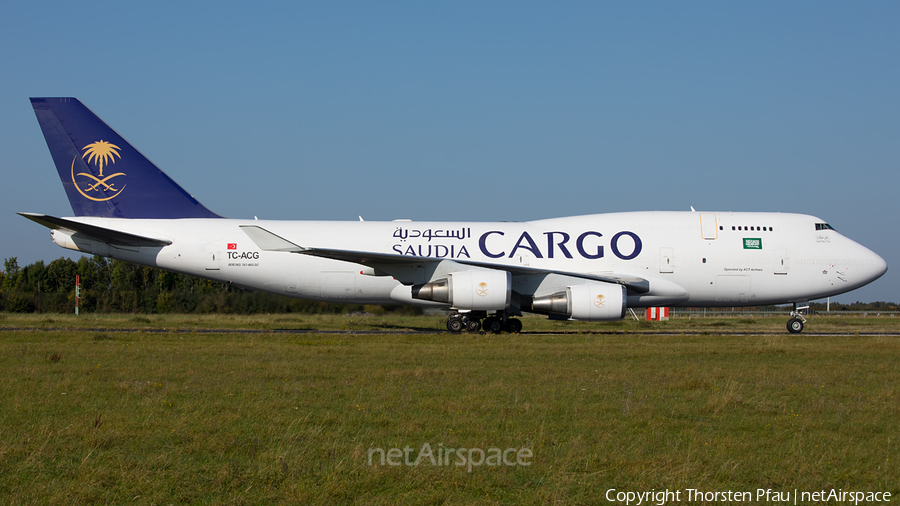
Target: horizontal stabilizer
x=106 y=235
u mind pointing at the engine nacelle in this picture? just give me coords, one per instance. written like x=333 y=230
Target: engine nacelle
x=588 y=302
x=63 y=239
x=486 y=290
x=79 y=243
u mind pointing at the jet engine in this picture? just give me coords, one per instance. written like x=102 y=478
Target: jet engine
x=486 y=290
x=63 y=239
x=79 y=243
x=588 y=302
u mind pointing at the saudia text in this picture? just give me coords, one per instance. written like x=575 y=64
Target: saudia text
x=497 y=244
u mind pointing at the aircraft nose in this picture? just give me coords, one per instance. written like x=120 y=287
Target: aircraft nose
x=880 y=266
x=875 y=266
x=870 y=266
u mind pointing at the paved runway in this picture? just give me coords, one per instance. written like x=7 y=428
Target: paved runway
x=426 y=332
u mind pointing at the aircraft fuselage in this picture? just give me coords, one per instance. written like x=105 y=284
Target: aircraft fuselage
x=689 y=258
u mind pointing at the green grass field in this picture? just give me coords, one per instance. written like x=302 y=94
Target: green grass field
x=99 y=416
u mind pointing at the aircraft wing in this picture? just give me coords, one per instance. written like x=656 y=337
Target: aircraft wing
x=384 y=261
x=106 y=235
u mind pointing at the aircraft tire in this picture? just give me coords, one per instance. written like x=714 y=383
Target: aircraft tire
x=472 y=325
x=795 y=325
x=515 y=325
x=493 y=325
x=455 y=324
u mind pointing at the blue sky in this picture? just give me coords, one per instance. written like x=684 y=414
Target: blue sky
x=473 y=110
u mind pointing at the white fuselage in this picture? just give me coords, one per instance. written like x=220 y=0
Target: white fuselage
x=689 y=258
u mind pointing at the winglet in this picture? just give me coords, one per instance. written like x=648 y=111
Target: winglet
x=267 y=241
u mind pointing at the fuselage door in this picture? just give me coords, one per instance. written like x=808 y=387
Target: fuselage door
x=709 y=229
x=523 y=259
x=212 y=256
x=666 y=260
x=782 y=262
x=292 y=284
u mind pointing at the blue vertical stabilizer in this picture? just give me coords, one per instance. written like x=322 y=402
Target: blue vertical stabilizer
x=102 y=173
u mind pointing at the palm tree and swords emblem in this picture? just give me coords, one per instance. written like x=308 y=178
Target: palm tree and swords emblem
x=100 y=153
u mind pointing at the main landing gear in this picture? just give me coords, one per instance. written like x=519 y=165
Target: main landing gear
x=795 y=324
x=471 y=322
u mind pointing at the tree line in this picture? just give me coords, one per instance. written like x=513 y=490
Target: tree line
x=114 y=286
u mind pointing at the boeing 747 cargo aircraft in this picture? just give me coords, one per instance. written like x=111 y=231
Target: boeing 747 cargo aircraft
x=588 y=268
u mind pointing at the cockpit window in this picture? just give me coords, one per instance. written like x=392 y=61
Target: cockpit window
x=823 y=226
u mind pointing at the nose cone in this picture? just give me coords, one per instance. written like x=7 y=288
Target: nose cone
x=868 y=265
x=872 y=266
x=880 y=267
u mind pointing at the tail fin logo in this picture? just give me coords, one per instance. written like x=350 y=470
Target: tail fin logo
x=98 y=154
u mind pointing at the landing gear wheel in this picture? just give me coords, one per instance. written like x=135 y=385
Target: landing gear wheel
x=795 y=325
x=493 y=325
x=455 y=324
x=472 y=325
x=515 y=325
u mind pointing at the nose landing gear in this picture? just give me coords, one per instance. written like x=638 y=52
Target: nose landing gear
x=795 y=324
